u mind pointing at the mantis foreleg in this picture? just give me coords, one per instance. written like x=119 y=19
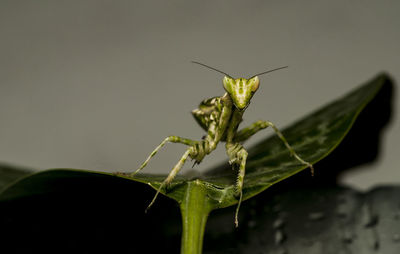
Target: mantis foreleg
x=178 y=166
x=247 y=132
x=171 y=175
x=173 y=139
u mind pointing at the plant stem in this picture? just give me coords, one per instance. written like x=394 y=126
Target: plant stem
x=195 y=209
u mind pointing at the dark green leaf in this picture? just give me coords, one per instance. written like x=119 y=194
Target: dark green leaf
x=313 y=138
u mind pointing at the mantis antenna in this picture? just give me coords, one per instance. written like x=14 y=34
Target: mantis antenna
x=265 y=72
x=209 y=67
x=226 y=74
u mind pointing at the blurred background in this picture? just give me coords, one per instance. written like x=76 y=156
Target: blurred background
x=99 y=84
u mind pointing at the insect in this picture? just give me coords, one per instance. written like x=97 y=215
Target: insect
x=220 y=118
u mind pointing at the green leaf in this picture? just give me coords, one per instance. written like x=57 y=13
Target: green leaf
x=269 y=162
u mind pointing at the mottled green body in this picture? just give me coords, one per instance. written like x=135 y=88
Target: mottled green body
x=220 y=117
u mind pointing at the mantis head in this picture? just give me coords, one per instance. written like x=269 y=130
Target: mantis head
x=241 y=90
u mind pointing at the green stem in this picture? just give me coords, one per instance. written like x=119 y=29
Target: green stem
x=195 y=209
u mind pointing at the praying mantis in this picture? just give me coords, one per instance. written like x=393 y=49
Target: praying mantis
x=220 y=118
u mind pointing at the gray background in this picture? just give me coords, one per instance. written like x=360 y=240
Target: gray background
x=98 y=84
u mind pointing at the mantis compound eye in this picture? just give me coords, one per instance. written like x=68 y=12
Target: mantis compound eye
x=256 y=83
x=227 y=82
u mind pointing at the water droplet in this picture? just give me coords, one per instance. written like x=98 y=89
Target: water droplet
x=279 y=237
x=376 y=245
x=396 y=238
x=369 y=220
x=316 y=216
x=347 y=236
x=372 y=239
x=372 y=221
x=341 y=211
x=278 y=223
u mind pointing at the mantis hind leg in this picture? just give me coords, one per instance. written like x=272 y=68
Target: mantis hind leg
x=291 y=150
x=173 y=139
x=246 y=133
